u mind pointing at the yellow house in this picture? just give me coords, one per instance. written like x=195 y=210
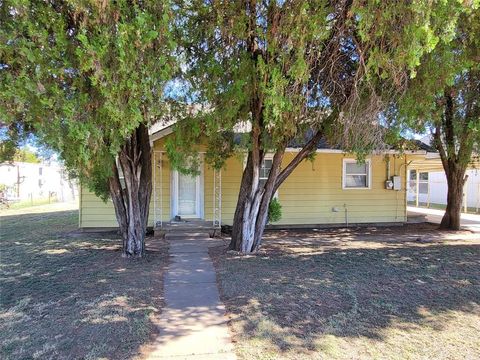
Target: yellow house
x=331 y=189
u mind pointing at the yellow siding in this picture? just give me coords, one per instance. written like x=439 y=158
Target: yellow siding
x=307 y=196
x=231 y=178
x=94 y=212
x=310 y=193
x=313 y=189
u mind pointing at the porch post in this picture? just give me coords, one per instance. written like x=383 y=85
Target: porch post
x=217 y=198
x=154 y=191
x=161 y=190
x=157 y=167
x=417 y=187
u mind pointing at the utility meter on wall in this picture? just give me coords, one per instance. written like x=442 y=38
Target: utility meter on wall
x=395 y=183
x=389 y=184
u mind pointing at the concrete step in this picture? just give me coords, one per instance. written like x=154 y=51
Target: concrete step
x=187 y=235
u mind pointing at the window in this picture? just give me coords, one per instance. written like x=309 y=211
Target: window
x=423 y=183
x=356 y=175
x=413 y=175
x=265 y=171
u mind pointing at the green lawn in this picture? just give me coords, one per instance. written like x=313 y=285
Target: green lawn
x=70 y=295
x=386 y=293
x=31 y=203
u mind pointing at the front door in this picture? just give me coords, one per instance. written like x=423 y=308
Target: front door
x=188 y=196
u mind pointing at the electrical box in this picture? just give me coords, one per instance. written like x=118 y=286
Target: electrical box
x=389 y=184
x=397 y=182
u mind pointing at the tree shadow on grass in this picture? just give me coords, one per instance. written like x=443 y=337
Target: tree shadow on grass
x=66 y=294
x=297 y=291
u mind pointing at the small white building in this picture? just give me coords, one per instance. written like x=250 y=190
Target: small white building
x=30 y=181
x=432 y=188
x=427 y=183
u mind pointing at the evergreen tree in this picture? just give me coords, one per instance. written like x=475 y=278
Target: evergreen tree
x=87 y=77
x=294 y=71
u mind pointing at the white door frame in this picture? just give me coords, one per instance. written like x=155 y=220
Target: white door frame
x=199 y=208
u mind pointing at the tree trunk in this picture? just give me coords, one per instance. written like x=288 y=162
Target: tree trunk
x=131 y=200
x=251 y=213
x=456 y=180
x=454 y=158
x=252 y=206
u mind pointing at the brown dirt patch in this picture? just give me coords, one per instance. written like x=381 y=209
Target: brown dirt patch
x=362 y=293
x=70 y=295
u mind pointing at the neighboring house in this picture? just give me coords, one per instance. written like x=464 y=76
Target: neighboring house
x=427 y=183
x=331 y=189
x=30 y=181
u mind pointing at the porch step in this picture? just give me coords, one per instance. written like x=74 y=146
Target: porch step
x=173 y=235
x=186 y=226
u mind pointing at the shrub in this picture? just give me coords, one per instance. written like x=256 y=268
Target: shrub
x=274 y=211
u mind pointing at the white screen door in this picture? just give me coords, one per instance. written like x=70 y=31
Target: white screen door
x=187 y=195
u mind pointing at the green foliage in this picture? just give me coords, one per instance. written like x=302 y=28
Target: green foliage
x=274 y=211
x=83 y=75
x=286 y=69
x=450 y=70
x=222 y=146
x=25 y=155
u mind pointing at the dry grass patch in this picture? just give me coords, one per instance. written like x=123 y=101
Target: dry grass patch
x=70 y=295
x=374 y=293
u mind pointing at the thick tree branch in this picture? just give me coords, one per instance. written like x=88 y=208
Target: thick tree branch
x=448 y=124
x=439 y=145
x=309 y=148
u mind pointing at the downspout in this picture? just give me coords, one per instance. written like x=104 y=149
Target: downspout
x=387 y=160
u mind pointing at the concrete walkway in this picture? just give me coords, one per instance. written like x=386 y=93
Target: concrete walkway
x=468 y=221
x=193 y=323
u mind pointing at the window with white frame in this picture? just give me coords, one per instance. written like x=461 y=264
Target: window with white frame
x=356 y=174
x=265 y=170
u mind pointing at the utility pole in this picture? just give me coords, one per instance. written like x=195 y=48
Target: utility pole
x=19 y=181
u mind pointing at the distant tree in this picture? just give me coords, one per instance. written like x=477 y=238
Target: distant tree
x=87 y=79
x=294 y=70
x=26 y=155
x=444 y=98
x=12 y=138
